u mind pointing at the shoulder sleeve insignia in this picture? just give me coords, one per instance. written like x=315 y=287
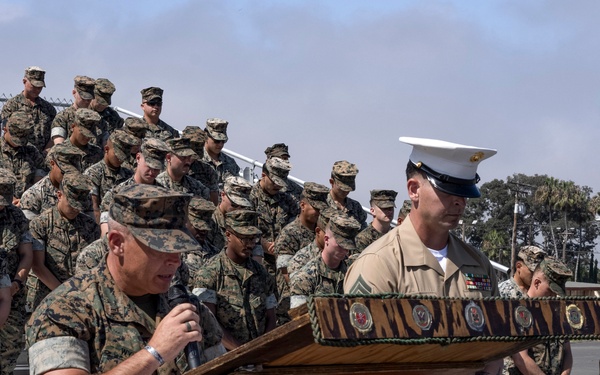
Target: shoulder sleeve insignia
x=360 y=286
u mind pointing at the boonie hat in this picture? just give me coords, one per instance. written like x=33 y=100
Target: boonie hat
x=345 y=229
x=238 y=190
x=36 y=76
x=244 y=222
x=155 y=215
x=316 y=195
x=531 y=256
x=384 y=198
x=216 y=128
x=449 y=167
x=344 y=173
x=85 y=87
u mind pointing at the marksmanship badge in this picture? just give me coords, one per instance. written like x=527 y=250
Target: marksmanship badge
x=422 y=317
x=474 y=316
x=575 y=317
x=523 y=317
x=360 y=317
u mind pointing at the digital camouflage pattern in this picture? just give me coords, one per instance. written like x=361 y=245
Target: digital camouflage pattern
x=187 y=185
x=7 y=187
x=216 y=128
x=510 y=289
x=109 y=122
x=38 y=198
x=278 y=170
x=274 y=213
x=19 y=127
x=103 y=90
x=531 y=256
x=204 y=173
x=150 y=93
x=163 y=131
x=216 y=235
x=366 y=237
x=224 y=166
x=383 y=198
x=549 y=356
x=85 y=87
x=154 y=151
x=242 y=294
x=196 y=258
x=90 y=256
x=316 y=278
x=41 y=113
x=14 y=230
x=137 y=127
x=302 y=257
x=181 y=147
x=93 y=154
x=61 y=125
x=104 y=178
x=351 y=208
x=25 y=162
x=344 y=173
x=62 y=240
x=36 y=76
x=90 y=311
x=108 y=197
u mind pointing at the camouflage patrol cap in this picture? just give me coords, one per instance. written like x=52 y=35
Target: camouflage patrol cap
x=122 y=142
x=137 y=127
x=316 y=195
x=20 y=127
x=36 y=76
x=244 y=222
x=238 y=190
x=194 y=134
x=344 y=173
x=344 y=229
x=384 y=198
x=154 y=151
x=405 y=210
x=155 y=216
x=150 y=93
x=88 y=121
x=279 y=170
x=181 y=147
x=7 y=186
x=76 y=187
x=531 y=256
x=326 y=215
x=85 y=87
x=200 y=213
x=216 y=128
x=557 y=274
x=103 y=91
x=67 y=157
x=277 y=150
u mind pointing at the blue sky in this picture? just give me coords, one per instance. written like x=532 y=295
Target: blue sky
x=339 y=79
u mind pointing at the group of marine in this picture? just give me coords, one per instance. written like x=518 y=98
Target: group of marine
x=101 y=215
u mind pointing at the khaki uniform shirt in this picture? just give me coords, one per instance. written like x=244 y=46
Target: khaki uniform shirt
x=41 y=112
x=89 y=323
x=400 y=263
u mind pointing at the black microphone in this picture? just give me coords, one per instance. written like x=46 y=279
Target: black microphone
x=178 y=295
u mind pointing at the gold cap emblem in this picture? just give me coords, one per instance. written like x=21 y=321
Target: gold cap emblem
x=476 y=157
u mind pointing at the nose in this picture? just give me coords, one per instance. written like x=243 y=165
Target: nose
x=460 y=201
x=173 y=259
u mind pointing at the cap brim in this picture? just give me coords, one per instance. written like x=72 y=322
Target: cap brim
x=318 y=205
x=345 y=243
x=38 y=83
x=199 y=224
x=239 y=200
x=18 y=140
x=86 y=132
x=247 y=231
x=185 y=152
x=102 y=100
x=152 y=97
x=155 y=163
x=279 y=181
x=466 y=191
x=385 y=204
x=120 y=153
x=74 y=203
x=557 y=289
x=165 y=240
x=218 y=136
x=85 y=95
x=345 y=186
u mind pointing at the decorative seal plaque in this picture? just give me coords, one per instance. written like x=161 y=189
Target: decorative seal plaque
x=422 y=317
x=474 y=316
x=360 y=317
x=523 y=317
x=575 y=317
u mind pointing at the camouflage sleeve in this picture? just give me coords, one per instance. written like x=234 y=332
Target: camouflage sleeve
x=31 y=202
x=211 y=330
x=59 y=126
x=95 y=174
x=39 y=161
x=204 y=282
x=89 y=258
x=37 y=228
x=301 y=286
x=284 y=247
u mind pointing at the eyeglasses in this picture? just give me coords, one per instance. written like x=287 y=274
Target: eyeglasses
x=248 y=239
x=154 y=104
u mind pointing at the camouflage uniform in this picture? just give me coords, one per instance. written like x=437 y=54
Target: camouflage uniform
x=186 y=185
x=316 y=278
x=38 y=198
x=302 y=257
x=241 y=293
x=366 y=237
x=216 y=235
x=90 y=313
x=61 y=126
x=510 y=289
x=217 y=129
x=352 y=208
x=61 y=239
x=90 y=256
x=87 y=120
x=111 y=121
x=104 y=178
x=42 y=114
x=93 y=154
x=25 y=161
x=15 y=231
x=274 y=213
x=164 y=132
x=344 y=175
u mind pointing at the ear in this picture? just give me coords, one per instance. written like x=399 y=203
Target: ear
x=372 y=210
x=331 y=181
x=59 y=195
x=24 y=80
x=168 y=157
x=74 y=91
x=116 y=242
x=413 y=185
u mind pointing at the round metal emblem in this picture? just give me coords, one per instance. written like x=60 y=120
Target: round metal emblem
x=523 y=317
x=360 y=317
x=474 y=316
x=575 y=317
x=422 y=317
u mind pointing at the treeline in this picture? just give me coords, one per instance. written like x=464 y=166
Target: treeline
x=556 y=215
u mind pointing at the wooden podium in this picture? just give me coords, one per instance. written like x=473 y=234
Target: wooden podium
x=402 y=335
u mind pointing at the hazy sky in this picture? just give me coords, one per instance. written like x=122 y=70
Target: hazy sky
x=339 y=79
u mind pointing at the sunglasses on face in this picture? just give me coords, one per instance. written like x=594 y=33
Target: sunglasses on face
x=154 y=104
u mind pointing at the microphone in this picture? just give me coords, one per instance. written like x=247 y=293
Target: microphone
x=177 y=295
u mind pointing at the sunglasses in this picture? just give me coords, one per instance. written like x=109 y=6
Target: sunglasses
x=154 y=104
